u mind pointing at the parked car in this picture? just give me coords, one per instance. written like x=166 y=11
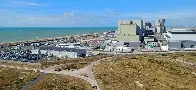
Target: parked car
x=57 y=69
x=95 y=87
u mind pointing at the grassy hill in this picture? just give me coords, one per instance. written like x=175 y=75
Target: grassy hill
x=146 y=72
x=60 y=82
x=14 y=79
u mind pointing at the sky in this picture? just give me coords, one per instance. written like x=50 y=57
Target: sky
x=94 y=13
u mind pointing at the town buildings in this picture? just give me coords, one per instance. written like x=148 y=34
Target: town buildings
x=61 y=52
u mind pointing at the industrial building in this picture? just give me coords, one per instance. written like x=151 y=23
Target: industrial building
x=181 y=35
x=149 y=29
x=133 y=44
x=182 y=45
x=160 y=26
x=174 y=45
x=188 y=44
x=130 y=33
x=130 y=30
x=181 y=39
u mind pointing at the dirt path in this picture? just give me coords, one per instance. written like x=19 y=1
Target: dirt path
x=33 y=82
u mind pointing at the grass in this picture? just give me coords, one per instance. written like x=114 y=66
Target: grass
x=14 y=79
x=189 y=57
x=185 y=56
x=20 y=64
x=59 y=82
x=47 y=64
x=74 y=66
x=145 y=72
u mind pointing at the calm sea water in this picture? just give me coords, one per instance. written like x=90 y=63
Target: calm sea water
x=11 y=34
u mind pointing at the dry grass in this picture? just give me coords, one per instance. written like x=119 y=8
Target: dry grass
x=153 y=72
x=20 y=64
x=78 y=60
x=189 y=57
x=59 y=82
x=185 y=56
x=14 y=79
x=74 y=66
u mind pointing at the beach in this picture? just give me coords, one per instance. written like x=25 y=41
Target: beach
x=16 y=34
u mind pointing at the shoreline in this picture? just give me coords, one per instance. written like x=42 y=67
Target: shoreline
x=48 y=39
x=35 y=40
x=12 y=35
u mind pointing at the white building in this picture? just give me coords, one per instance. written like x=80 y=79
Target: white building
x=61 y=52
x=109 y=48
x=165 y=48
x=181 y=35
x=69 y=45
x=122 y=49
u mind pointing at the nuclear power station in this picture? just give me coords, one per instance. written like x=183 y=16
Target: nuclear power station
x=137 y=33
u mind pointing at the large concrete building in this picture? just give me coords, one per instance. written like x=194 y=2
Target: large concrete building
x=181 y=39
x=160 y=26
x=181 y=35
x=130 y=30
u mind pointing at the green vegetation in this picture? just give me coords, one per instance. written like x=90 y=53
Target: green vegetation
x=189 y=57
x=59 y=82
x=146 y=72
x=47 y=64
x=14 y=79
x=74 y=66
x=20 y=64
x=185 y=56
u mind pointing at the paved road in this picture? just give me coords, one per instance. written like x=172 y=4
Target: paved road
x=136 y=52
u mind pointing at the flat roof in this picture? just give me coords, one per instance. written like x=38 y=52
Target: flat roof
x=182 y=32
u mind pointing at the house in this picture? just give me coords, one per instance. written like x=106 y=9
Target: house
x=123 y=49
x=62 y=52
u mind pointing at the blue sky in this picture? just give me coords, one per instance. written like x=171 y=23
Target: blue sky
x=84 y=13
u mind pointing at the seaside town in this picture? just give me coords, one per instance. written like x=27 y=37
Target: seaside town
x=97 y=45
x=132 y=36
x=137 y=49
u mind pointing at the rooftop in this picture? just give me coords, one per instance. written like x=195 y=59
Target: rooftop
x=64 y=49
x=182 y=32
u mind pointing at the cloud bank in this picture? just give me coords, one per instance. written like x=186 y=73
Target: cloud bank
x=41 y=15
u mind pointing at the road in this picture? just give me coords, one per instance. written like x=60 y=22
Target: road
x=136 y=52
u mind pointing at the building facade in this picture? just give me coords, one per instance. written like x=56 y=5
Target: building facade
x=61 y=52
x=130 y=30
x=181 y=35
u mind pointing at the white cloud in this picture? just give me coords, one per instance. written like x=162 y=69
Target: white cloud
x=35 y=4
x=69 y=14
x=77 y=18
x=158 y=15
x=109 y=11
x=20 y=3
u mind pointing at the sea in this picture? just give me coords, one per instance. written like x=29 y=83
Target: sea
x=14 y=34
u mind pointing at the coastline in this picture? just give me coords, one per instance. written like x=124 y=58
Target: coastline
x=21 y=34
x=35 y=40
x=66 y=38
